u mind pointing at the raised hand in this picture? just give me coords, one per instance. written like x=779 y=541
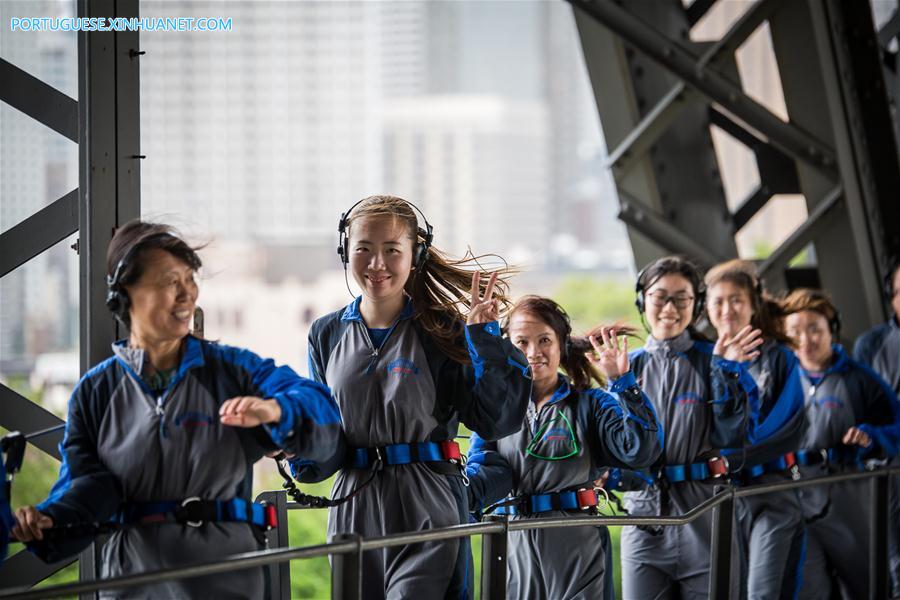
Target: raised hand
x=29 y=523
x=483 y=309
x=740 y=348
x=608 y=357
x=856 y=437
x=249 y=411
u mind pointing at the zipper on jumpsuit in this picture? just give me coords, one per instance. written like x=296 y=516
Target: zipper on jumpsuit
x=373 y=358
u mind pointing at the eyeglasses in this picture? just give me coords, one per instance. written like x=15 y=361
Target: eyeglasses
x=555 y=440
x=679 y=300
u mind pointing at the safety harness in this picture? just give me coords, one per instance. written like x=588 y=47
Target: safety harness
x=584 y=499
x=195 y=511
x=373 y=460
x=712 y=468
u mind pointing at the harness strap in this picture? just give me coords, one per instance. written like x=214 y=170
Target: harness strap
x=713 y=468
x=837 y=454
x=196 y=511
x=785 y=462
x=532 y=504
x=404 y=454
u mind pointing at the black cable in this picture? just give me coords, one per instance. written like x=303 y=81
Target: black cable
x=290 y=486
x=505 y=502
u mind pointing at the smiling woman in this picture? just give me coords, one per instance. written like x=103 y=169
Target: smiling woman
x=418 y=353
x=160 y=438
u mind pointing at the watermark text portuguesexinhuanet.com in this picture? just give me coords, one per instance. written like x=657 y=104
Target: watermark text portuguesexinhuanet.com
x=120 y=24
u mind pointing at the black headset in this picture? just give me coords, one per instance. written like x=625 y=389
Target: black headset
x=893 y=265
x=835 y=324
x=696 y=281
x=117 y=300
x=420 y=252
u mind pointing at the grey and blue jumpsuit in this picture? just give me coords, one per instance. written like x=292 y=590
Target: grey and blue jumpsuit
x=847 y=394
x=561 y=448
x=127 y=446
x=879 y=348
x=772 y=532
x=705 y=403
x=404 y=390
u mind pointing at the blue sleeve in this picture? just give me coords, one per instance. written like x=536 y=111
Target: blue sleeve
x=789 y=400
x=783 y=420
x=735 y=404
x=314 y=362
x=624 y=480
x=867 y=345
x=490 y=476
x=86 y=491
x=882 y=419
x=623 y=425
x=310 y=425
x=494 y=395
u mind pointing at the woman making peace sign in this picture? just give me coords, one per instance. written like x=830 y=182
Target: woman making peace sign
x=406 y=366
x=571 y=431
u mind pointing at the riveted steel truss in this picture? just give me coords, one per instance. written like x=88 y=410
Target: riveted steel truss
x=105 y=122
x=658 y=93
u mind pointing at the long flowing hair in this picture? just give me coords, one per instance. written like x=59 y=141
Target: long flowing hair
x=768 y=315
x=572 y=348
x=440 y=290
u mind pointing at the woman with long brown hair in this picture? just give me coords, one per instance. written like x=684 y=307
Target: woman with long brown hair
x=571 y=432
x=415 y=355
x=772 y=532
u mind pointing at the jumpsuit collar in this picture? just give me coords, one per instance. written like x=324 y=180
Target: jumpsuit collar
x=840 y=363
x=133 y=358
x=351 y=312
x=679 y=343
x=561 y=392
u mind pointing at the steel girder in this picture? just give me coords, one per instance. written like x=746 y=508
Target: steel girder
x=105 y=121
x=657 y=94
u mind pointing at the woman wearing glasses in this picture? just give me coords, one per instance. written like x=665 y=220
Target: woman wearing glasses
x=706 y=400
x=571 y=430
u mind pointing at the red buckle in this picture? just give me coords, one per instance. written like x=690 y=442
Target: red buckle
x=790 y=460
x=586 y=498
x=154 y=518
x=450 y=451
x=718 y=466
x=271 y=516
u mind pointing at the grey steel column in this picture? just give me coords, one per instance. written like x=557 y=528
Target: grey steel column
x=494 y=563
x=109 y=182
x=346 y=570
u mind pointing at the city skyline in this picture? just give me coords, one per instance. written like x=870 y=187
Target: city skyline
x=257 y=139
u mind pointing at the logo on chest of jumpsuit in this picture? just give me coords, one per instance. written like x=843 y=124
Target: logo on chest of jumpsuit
x=831 y=402
x=688 y=398
x=193 y=420
x=557 y=434
x=402 y=367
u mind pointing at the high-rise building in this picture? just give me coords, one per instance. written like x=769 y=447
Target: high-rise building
x=477 y=166
x=267 y=131
x=37 y=166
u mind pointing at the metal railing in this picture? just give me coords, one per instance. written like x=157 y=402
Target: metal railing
x=346 y=551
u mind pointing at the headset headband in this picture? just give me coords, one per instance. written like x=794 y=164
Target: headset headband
x=421 y=255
